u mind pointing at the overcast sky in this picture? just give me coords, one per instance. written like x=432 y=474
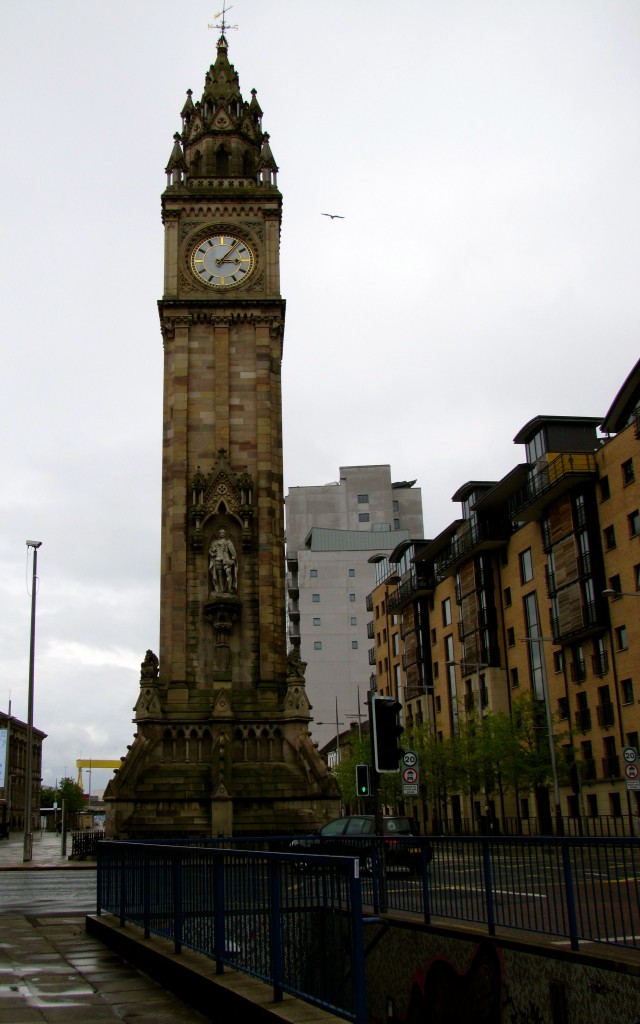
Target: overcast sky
x=486 y=158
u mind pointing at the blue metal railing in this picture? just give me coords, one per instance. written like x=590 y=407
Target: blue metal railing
x=250 y=909
x=574 y=888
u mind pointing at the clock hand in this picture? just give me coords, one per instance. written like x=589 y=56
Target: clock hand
x=225 y=258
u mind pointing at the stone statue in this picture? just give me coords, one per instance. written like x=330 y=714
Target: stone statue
x=223 y=565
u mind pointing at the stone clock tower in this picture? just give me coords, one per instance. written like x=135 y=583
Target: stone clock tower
x=222 y=743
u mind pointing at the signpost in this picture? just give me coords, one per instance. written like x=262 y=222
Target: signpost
x=410 y=773
x=631 y=768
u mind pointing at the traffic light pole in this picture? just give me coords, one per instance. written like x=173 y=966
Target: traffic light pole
x=379 y=905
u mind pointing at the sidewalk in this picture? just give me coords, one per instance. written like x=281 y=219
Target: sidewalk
x=46 y=853
x=65 y=969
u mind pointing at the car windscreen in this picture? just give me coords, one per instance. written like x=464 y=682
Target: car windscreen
x=398 y=825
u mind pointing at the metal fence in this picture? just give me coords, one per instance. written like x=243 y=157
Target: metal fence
x=572 y=888
x=254 y=910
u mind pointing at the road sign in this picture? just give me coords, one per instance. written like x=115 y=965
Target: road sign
x=631 y=771
x=410 y=759
x=409 y=790
x=630 y=755
x=410 y=776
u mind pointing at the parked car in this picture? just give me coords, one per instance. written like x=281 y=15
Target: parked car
x=353 y=835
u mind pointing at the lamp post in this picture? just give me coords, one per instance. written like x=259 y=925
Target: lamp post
x=337 y=725
x=28 y=789
x=539 y=640
x=621 y=593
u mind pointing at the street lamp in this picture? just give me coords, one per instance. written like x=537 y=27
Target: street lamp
x=547 y=706
x=28 y=817
x=621 y=593
x=337 y=725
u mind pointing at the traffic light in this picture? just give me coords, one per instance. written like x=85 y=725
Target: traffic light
x=386 y=729
x=363 y=780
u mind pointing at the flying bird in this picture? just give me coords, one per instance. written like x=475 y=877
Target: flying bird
x=333 y=215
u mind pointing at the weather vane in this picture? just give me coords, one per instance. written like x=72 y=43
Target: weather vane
x=223 y=26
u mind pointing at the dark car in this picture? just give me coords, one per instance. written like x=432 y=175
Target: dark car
x=352 y=836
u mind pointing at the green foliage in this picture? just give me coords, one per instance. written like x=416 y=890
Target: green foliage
x=48 y=796
x=71 y=793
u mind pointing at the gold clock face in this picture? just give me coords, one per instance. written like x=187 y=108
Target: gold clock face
x=222 y=261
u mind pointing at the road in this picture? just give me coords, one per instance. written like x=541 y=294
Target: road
x=39 y=892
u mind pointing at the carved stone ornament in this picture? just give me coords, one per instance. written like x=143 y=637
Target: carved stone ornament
x=296 y=668
x=222 y=492
x=296 y=700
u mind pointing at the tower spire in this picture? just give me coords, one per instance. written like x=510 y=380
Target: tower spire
x=223 y=25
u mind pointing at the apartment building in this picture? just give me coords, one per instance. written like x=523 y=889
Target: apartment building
x=333 y=533
x=532 y=590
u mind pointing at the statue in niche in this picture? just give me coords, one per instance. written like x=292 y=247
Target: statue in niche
x=223 y=565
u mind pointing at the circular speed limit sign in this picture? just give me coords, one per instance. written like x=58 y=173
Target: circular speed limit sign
x=410 y=759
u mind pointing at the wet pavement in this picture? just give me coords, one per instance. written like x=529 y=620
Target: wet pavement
x=50 y=968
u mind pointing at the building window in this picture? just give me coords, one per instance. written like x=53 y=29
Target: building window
x=615 y=584
x=317 y=645
x=511 y=637
x=615 y=805
x=507 y=597
x=514 y=678
x=628 y=475
x=352 y=597
x=526 y=566
x=433 y=637
x=352 y=572
x=396 y=524
x=315 y=598
x=622 y=641
x=316 y=621
x=395 y=505
x=354 y=620
x=563 y=708
x=363 y=499
x=634 y=523
x=436 y=670
x=446 y=612
x=609 y=535
x=354 y=645
x=363 y=517
x=626 y=685
x=395 y=645
x=592 y=805
x=605 y=491
x=558 y=661
x=636 y=576
x=313 y=573
x=438 y=707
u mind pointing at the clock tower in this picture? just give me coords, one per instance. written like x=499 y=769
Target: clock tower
x=222 y=743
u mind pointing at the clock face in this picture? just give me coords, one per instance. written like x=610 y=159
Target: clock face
x=222 y=261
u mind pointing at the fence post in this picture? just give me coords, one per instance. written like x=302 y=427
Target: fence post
x=99 y=878
x=358 y=973
x=275 y=918
x=146 y=892
x=122 y=873
x=219 y=937
x=177 y=899
x=488 y=884
x=570 y=894
x=425 y=850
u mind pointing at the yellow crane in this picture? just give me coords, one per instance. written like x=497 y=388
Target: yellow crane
x=93 y=763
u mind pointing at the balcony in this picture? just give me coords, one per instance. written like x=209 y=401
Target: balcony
x=293 y=611
x=578 y=671
x=600 y=663
x=370 y=630
x=369 y=602
x=581 y=622
x=372 y=655
x=410 y=590
x=547 y=482
x=583 y=719
x=293 y=585
x=475 y=536
x=611 y=767
x=605 y=715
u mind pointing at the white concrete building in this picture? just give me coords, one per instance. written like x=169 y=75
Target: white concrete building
x=333 y=532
